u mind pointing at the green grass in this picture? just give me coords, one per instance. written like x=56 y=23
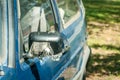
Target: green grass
x=103 y=10
x=103 y=17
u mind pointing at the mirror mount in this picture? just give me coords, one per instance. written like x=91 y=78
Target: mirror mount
x=50 y=44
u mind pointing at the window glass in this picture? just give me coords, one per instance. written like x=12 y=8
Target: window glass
x=3 y=38
x=68 y=10
x=36 y=15
x=0 y=29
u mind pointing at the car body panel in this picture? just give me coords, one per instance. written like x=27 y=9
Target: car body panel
x=46 y=69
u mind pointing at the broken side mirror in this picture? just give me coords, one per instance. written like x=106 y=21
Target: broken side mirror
x=49 y=43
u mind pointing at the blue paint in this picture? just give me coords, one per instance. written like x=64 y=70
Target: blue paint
x=47 y=69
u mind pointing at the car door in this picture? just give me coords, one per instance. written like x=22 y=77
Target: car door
x=38 y=16
x=74 y=29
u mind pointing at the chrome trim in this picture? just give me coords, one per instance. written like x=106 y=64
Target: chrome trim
x=4 y=34
x=86 y=54
x=11 y=57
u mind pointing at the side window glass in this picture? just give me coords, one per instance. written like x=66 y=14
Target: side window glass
x=36 y=15
x=3 y=32
x=68 y=10
x=0 y=29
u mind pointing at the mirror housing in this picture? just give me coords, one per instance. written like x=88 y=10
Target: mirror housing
x=53 y=38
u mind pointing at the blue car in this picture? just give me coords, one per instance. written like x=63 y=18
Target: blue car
x=43 y=40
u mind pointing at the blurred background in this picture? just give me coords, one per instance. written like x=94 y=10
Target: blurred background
x=103 y=22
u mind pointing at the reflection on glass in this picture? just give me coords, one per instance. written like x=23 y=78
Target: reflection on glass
x=0 y=30
x=36 y=16
x=69 y=7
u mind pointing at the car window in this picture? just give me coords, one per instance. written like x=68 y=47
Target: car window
x=36 y=15
x=0 y=29
x=68 y=10
x=3 y=32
